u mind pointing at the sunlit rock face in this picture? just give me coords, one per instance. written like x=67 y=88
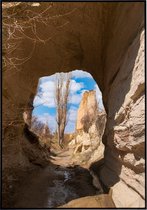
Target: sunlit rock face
x=87 y=111
x=124 y=135
x=89 y=130
x=107 y=40
x=98 y=201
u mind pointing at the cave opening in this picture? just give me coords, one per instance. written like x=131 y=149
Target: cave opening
x=108 y=40
x=84 y=122
x=82 y=144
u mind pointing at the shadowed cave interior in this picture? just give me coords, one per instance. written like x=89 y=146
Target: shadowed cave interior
x=105 y=39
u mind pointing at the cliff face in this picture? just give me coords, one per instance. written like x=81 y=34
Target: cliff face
x=124 y=135
x=107 y=40
x=87 y=111
x=88 y=146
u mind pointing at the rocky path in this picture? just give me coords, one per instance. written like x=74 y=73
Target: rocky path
x=63 y=157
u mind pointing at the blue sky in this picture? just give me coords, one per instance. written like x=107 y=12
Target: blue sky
x=44 y=101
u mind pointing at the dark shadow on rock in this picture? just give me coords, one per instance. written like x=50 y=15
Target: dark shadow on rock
x=110 y=170
x=30 y=136
x=50 y=187
x=35 y=153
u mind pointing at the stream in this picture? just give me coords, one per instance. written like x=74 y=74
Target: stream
x=53 y=186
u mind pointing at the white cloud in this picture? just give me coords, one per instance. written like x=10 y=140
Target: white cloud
x=48 y=86
x=45 y=101
x=72 y=114
x=75 y=99
x=75 y=86
x=72 y=117
x=46 y=96
x=80 y=74
x=46 y=118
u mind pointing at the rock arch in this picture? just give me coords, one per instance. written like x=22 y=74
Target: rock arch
x=107 y=39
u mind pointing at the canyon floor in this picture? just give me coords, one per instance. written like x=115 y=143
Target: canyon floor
x=54 y=185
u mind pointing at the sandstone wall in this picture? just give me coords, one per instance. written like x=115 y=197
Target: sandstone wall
x=87 y=111
x=124 y=93
x=107 y=40
x=90 y=124
x=124 y=135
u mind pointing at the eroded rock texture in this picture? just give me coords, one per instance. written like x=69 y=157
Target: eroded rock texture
x=87 y=111
x=90 y=124
x=107 y=40
x=124 y=154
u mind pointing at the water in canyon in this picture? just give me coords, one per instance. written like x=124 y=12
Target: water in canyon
x=53 y=186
